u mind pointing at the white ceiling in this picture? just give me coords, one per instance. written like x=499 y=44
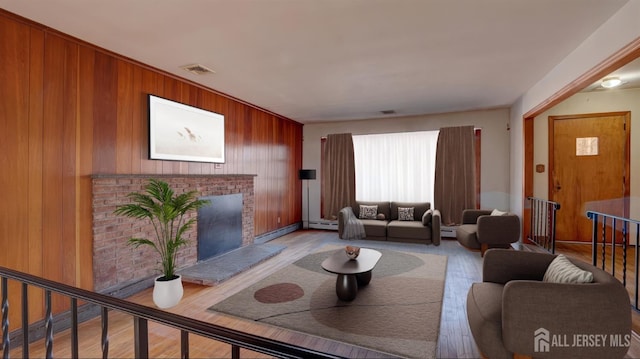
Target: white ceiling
x=326 y=60
x=629 y=74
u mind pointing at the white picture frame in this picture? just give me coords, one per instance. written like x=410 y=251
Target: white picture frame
x=180 y=132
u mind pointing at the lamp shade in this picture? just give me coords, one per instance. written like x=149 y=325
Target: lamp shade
x=307 y=174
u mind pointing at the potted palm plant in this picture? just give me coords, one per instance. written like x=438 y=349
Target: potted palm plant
x=166 y=211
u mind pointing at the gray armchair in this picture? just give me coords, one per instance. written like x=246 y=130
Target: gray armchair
x=513 y=308
x=481 y=230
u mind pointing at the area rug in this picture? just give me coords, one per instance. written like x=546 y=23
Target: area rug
x=397 y=313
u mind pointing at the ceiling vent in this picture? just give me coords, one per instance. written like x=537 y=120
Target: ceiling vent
x=198 y=69
x=388 y=112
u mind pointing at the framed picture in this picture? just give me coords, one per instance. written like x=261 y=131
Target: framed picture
x=181 y=132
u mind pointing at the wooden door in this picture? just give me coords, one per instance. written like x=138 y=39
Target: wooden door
x=588 y=169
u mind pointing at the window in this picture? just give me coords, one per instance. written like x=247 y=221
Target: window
x=395 y=166
x=429 y=197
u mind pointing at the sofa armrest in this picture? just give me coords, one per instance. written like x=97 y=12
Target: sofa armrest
x=565 y=310
x=470 y=216
x=436 y=220
x=498 y=229
x=504 y=265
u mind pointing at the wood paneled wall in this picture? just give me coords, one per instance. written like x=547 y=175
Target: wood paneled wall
x=69 y=110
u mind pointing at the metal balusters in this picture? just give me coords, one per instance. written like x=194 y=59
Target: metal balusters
x=625 y=230
x=74 y=328
x=554 y=209
x=48 y=324
x=542 y=228
x=184 y=344
x=186 y=325
x=5 y=319
x=235 y=352
x=626 y=242
x=604 y=242
x=25 y=320
x=141 y=337
x=594 y=237
x=613 y=247
x=105 y=335
x=533 y=224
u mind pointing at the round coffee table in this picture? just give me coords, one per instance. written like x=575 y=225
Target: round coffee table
x=351 y=272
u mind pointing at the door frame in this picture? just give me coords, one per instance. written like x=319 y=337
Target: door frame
x=622 y=57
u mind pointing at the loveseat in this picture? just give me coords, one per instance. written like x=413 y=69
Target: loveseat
x=388 y=223
x=520 y=307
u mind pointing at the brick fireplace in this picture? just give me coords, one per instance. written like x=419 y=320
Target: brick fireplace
x=116 y=265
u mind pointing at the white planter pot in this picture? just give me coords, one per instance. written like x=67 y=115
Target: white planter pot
x=166 y=294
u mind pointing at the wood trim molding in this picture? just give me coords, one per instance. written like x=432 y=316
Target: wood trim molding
x=625 y=55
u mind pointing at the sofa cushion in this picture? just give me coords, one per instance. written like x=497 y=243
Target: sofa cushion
x=405 y=213
x=368 y=211
x=383 y=208
x=561 y=270
x=418 y=209
x=409 y=230
x=497 y=212
x=374 y=228
x=427 y=217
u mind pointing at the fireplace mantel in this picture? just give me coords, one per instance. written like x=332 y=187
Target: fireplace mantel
x=118 y=265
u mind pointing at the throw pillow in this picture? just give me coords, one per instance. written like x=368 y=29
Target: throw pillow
x=498 y=213
x=381 y=217
x=426 y=217
x=561 y=270
x=405 y=213
x=368 y=212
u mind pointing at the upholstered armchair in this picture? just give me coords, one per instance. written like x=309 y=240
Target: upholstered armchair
x=520 y=308
x=481 y=230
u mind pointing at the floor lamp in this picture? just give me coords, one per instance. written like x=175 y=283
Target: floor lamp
x=307 y=175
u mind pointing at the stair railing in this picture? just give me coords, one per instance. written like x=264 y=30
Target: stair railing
x=542 y=229
x=618 y=230
x=141 y=316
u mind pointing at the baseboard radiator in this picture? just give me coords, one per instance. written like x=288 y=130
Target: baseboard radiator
x=448 y=231
x=329 y=225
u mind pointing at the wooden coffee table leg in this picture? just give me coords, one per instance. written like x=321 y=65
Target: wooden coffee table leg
x=363 y=278
x=346 y=287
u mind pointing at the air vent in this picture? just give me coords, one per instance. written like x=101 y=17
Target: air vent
x=198 y=69
x=388 y=112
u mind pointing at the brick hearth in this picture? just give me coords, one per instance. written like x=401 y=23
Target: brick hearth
x=116 y=264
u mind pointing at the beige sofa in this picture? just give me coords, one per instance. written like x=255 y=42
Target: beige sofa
x=424 y=228
x=513 y=308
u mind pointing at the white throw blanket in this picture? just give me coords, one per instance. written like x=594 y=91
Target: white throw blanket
x=353 y=227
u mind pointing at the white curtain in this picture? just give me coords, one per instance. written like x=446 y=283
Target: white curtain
x=395 y=166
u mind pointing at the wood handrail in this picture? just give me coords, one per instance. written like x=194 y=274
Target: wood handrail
x=185 y=324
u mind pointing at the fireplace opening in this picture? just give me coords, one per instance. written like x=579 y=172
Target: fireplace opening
x=219 y=225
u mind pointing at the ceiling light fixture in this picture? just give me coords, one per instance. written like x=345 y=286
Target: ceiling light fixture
x=611 y=82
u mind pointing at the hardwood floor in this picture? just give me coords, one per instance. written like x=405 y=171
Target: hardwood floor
x=455 y=341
